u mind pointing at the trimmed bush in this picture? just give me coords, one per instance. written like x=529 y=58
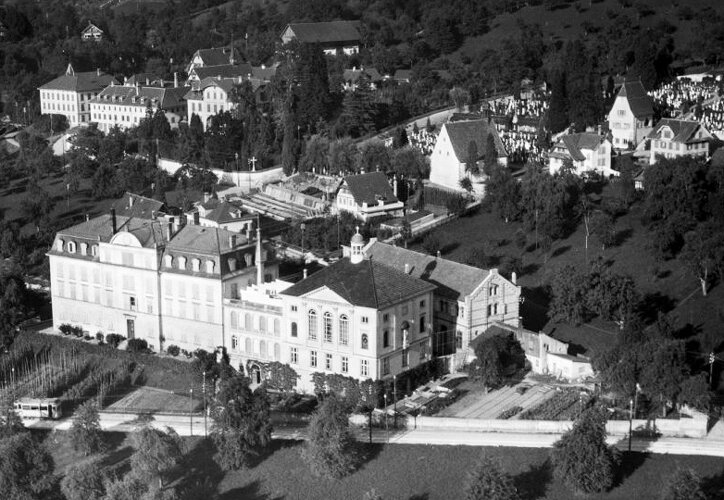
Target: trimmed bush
x=65 y=329
x=173 y=350
x=100 y=337
x=510 y=412
x=137 y=345
x=114 y=339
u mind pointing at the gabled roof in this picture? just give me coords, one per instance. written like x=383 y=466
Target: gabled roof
x=370 y=188
x=638 y=100
x=148 y=232
x=574 y=143
x=144 y=79
x=227 y=212
x=684 y=130
x=135 y=205
x=80 y=82
x=452 y=279
x=126 y=95
x=224 y=71
x=367 y=284
x=327 y=32
x=462 y=133
x=91 y=28
x=203 y=240
x=216 y=56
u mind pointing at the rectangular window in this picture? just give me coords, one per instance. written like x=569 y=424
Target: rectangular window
x=422 y=304
x=294 y=308
x=365 y=319
x=293 y=355
x=364 y=369
x=234 y=342
x=328 y=362
x=313 y=359
x=385 y=317
x=345 y=364
x=132 y=303
x=386 y=366
x=405 y=358
x=422 y=323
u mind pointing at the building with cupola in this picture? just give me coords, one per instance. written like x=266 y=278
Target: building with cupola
x=359 y=317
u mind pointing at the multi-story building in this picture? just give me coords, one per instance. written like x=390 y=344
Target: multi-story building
x=467 y=300
x=676 y=138
x=358 y=317
x=124 y=106
x=334 y=37
x=153 y=278
x=588 y=152
x=213 y=95
x=215 y=56
x=367 y=196
x=71 y=94
x=632 y=115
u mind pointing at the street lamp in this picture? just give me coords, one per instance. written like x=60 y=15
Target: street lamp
x=630 y=422
x=191 y=412
x=387 y=429
x=203 y=388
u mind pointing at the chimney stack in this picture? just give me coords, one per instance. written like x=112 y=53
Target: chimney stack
x=196 y=218
x=113 y=220
x=304 y=273
x=169 y=230
x=514 y=278
x=175 y=79
x=407 y=268
x=259 y=263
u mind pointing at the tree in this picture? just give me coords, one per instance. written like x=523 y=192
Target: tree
x=703 y=253
x=315 y=157
x=26 y=468
x=488 y=481
x=582 y=459
x=282 y=376
x=85 y=433
x=471 y=159
x=602 y=227
x=503 y=191
x=84 y=481
x=155 y=453
x=409 y=162
x=129 y=488
x=466 y=184
x=242 y=424
x=494 y=356
x=374 y=156
x=558 y=111
x=330 y=448
x=432 y=244
x=684 y=484
x=342 y=156
x=569 y=291
x=103 y=184
x=490 y=159
x=460 y=97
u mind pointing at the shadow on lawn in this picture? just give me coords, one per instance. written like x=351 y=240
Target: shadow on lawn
x=533 y=483
x=713 y=486
x=251 y=491
x=653 y=303
x=630 y=462
x=560 y=250
x=535 y=307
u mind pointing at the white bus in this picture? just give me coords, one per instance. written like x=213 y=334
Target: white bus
x=38 y=408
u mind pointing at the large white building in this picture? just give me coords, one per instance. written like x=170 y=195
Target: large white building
x=124 y=106
x=632 y=115
x=452 y=149
x=152 y=278
x=588 y=152
x=71 y=94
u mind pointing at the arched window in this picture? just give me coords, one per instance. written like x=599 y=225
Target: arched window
x=247 y=345
x=196 y=265
x=294 y=329
x=386 y=338
x=328 y=327
x=312 y=324
x=182 y=262
x=94 y=250
x=276 y=326
x=84 y=248
x=365 y=341
x=210 y=266
x=262 y=324
x=262 y=349
x=168 y=260
x=71 y=246
x=343 y=330
x=247 y=322
x=232 y=264
x=234 y=319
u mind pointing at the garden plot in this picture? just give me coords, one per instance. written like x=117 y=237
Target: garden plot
x=152 y=400
x=481 y=405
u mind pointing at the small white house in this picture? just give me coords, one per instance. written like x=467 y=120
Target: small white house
x=632 y=115
x=91 y=33
x=588 y=152
x=367 y=196
x=676 y=138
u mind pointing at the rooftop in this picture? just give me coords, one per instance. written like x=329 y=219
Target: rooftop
x=80 y=82
x=462 y=133
x=638 y=100
x=369 y=188
x=135 y=205
x=574 y=143
x=326 y=32
x=684 y=130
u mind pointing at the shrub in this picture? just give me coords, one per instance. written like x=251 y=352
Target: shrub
x=100 y=337
x=432 y=244
x=87 y=337
x=77 y=331
x=65 y=329
x=510 y=412
x=487 y=480
x=114 y=339
x=137 y=345
x=173 y=350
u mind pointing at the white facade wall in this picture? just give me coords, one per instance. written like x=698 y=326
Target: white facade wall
x=75 y=106
x=597 y=160
x=215 y=100
x=626 y=129
x=495 y=299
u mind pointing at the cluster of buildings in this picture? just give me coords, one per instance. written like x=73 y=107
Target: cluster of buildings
x=202 y=282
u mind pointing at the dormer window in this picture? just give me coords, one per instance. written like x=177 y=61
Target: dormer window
x=94 y=250
x=210 y=266
x=59 y=245
x=84 y=248
x=168 y=260
x=247 y=258
x=196 y=265
x=182 y=262
x=71 y=246
x=232 y=264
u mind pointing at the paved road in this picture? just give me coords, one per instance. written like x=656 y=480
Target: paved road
x=183 y=425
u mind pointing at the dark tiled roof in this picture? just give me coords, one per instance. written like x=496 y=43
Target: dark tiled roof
x=576 y=142
x=453 y=280
x=123 y=95
x=368 y=284
x=224 y=71
x=216 y=56
x=203 y=240
x=134 y=205
x=462 y=133
x=683 y=130
x=327 y=32
x=370 y=188
x=148 y=232
x=80 y=82
x=638 y=100
x=227 y=212
x=144 y=79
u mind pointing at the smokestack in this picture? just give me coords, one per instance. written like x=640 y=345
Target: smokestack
x=113 y=220
x=196 y=219
x=259 y=263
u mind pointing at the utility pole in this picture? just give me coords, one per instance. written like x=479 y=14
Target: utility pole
x=630 y=422
x=191 y=412
x=203 y=388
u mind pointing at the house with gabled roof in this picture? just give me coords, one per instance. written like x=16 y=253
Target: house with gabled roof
x=351 y=77
x=367 y=196
x=467 y=300
x=632 y=115
x=359 y=317
x=243 y=71
x=71 y=93
x=449 y=158
x=215 y=56
x=334 y=37
x=588 y=152
x=673 y=138
x=91 y=33
x=137 y=206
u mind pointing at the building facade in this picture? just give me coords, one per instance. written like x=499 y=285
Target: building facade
x=70 y=94
x=676 y=138
x=367 y=196
x=631 y=116
x=334 y=37
x=589 y=153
